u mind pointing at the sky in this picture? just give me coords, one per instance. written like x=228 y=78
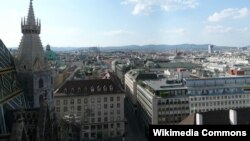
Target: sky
x=85 y=23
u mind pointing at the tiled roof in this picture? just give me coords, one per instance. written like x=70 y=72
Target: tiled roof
x=96 y=86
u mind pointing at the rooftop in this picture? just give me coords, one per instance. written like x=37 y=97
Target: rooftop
x=88 y=87
x=219 y=117
x=164 y=84
x=140 y=74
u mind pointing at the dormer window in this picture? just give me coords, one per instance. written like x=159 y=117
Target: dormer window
x=92 y=89
x=98 y=88
x=72 y=90
x=111 y=88
x=65 y=90
x=104 y=88
x=79 y=90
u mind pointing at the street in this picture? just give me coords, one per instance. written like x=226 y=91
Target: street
x=133 y=130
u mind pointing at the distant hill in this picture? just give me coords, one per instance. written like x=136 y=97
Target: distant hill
x=152 y=47
x=156 y=47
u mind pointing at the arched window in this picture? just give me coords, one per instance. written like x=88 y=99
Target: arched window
x=110 y=88
x=85 y=89
x=40 y=83
x=72 y=90
x=65 y=90
x=92 y=89
x=98 y=88
x=104 y=88
x=79 y=90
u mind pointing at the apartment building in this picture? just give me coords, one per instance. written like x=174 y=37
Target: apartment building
x=166 y=101
x=209 y=94
x=97 y=104
x=131 y=79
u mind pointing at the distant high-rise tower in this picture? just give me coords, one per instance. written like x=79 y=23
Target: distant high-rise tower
x=210 y=49
x=32 y=66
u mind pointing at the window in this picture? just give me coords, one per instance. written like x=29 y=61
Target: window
x=72 y=108
x=118 y=125
x=111 y=105
x=112 y=112
x=93 y=120
x=111 y=98
x=105 y=106
x=111 y=133
x=118 y=105
x=72 y=101
x=65 y=90
x=99 y=99
x=99 y=113
x=85 y=89
x=92 y=127
x=98 y=88
x=99 y=126
x=72 y=90
x=40 y=83
x=79 y=90
x=85 y=107
x=86 y=127
x=99 y=106
x=65 y=109
x=57 y=109
x=93 y=135
x=57 y=102
x=105 y=126
x=99 y=120
x=85 y=100
x=92 y=100
x=105 y=119
x=65 y=102
x=79 y=101
x=92 y=89
x=79 y=108
x=105 y=99
x=118 y=98
x=111 y=88
x=105 y=112
x=118 y=112
x=93 y=107
x=104 y=88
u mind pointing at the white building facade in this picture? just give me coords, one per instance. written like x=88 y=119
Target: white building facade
x=165 y=102
x=98 y=105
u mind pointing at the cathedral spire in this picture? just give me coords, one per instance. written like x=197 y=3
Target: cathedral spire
x=31 y=16
x=31 y=54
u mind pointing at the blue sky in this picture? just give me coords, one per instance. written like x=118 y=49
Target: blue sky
x=125 y=22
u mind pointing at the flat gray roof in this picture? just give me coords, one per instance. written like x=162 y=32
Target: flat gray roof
x=160 y=84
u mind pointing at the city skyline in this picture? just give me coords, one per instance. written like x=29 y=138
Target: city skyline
x=126 y=22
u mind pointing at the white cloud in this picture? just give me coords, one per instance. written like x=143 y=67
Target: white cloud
x=229 y=13
x=217 y=29
x=180 y=31
x=145 y=6
x=118 y=32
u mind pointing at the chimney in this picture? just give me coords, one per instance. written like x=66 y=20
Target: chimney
x=233 y=117
x=199 y=119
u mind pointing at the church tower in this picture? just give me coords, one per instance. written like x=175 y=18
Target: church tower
x=31 y=63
